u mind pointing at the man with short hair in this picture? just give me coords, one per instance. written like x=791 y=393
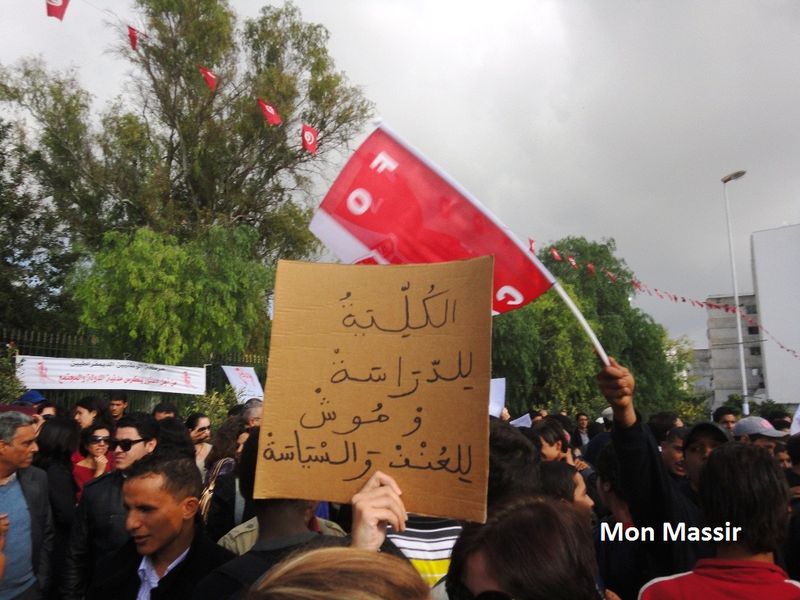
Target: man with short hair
x=117 y=405
x=758 y=431
x=252 y=413
x=25 y=502
x=725 y=417
x=99 y=526
x=169 y=553
x=672 y=452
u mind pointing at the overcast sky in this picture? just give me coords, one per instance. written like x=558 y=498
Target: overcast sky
x=598 y=119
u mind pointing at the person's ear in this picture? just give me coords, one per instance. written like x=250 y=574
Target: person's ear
x=189 y=506
x=150 y=445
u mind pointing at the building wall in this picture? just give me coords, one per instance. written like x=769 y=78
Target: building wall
x=724 y=352
x=776 y=276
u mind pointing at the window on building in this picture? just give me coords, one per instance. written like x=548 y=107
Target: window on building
x=750 y=309
x=755 y=351
x=752 y=330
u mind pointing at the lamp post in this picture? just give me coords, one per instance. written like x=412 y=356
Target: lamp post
x=725 y=180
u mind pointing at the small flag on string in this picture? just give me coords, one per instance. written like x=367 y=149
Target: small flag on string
x=270 y=113
x=57 y=8
x=532 y=245
x=611 y=277
x=310 y=138
x=211 y=79
x=133 y=36
x=571 y=261
x=590 y=268
x=555 y=254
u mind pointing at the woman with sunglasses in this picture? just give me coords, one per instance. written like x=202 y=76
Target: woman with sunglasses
x=97 y=459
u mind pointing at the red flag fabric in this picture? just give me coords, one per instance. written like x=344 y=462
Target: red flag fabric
x=555 y=254
x=269 y=112
x=211 y=79
x=390 y=205
x=57 y=8
x=590 y=268
x=310 y=138
x=571 y=261
x=133 y=36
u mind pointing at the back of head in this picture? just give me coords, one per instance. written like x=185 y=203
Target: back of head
x=166 y=407
x=181 y=475
x=558 y=480
x=513 y=463
x=174 y=440
x=742 y=485
x=341 y=573
x=533 y=548
x=793 y=448
x=58 y=440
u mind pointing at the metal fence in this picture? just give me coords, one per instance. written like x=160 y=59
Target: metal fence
x=66 y=345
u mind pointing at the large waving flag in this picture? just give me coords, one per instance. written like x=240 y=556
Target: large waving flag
x=390 y=205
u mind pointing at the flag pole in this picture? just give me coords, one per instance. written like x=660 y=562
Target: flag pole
x=582 y=320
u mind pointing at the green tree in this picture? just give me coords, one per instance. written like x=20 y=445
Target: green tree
x=547 y=360
x=176 y=158
x=153 y=298
x=34 y=259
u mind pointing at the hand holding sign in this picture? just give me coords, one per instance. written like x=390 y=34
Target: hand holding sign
x=376 y=506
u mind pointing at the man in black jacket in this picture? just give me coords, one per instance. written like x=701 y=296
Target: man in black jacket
x=168 y=553
x=99 y=527
x=24 y=500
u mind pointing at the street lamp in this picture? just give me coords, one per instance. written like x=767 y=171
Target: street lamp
x=725 y=180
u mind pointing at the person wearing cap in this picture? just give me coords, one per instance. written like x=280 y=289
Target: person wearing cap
x=653 y=497
x=757 y=431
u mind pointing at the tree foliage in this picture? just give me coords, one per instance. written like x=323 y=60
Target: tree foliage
x=548 y=361
x=170 y=166
x=153 y=298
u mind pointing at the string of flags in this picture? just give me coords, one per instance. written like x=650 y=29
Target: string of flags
x=309 y=135
x=665 y=295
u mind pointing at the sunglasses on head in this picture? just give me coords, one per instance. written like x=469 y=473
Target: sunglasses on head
x=99 y=439
x=124 y=445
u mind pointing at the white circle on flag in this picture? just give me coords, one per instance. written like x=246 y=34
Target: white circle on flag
x=270 y=110
x=55 y=2
x=308 y=136
x=359 y=201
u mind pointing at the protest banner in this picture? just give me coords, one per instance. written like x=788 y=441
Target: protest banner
x=380 y=368
x=48 y=373
x=244 y=382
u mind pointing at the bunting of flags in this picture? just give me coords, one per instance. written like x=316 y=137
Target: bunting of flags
x=309 y=135
x=677 y=299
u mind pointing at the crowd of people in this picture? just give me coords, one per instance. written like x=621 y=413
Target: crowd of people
x=103 y=502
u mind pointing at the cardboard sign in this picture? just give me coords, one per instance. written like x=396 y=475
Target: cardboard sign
x=380 y=368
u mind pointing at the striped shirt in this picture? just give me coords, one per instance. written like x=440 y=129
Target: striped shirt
x=427 y=542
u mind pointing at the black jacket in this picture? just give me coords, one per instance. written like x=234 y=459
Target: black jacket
x=33 y=482
x=98 y=530
x=117 y=576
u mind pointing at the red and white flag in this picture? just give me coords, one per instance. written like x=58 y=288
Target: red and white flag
x=133 y=36
x=269 y=112
x=390 y=205
x=554 y=253
x=310 y=138
x=57 y=8
x=571 y=261
x=590 y=268
x=532 y=245
x=211 y=79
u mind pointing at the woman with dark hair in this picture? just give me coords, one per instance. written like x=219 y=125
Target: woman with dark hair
x=225 y=444
x=57 y=440
x=89 y=410
x=529 y=549
x=96 y=458
x=199 y=426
